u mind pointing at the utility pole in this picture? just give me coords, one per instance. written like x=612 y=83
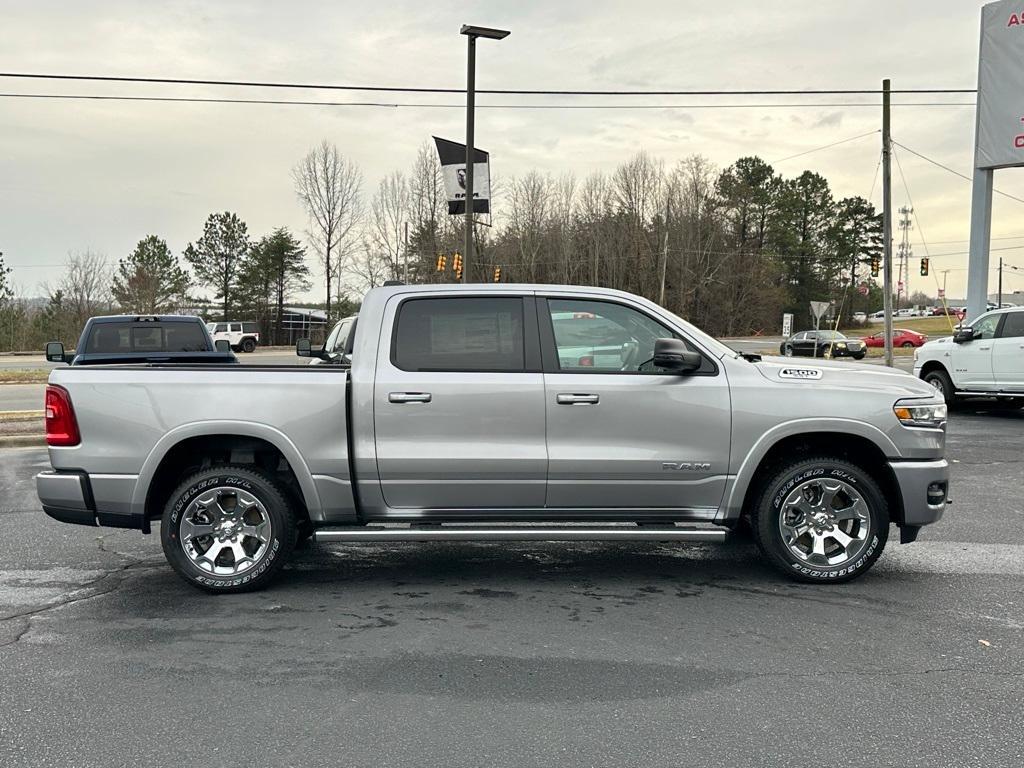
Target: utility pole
x=887 y=218
x=999 y=301
x=664 y=254
x=405 y=267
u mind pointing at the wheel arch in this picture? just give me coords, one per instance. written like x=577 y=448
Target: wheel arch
x=857 y=442
x=189 y=444
x=933 y=365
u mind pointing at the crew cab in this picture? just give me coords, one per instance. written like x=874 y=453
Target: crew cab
x=481 y=412
x=128 y=339
x=983 y=358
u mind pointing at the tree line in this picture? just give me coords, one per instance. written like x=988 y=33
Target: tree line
x=728 y=249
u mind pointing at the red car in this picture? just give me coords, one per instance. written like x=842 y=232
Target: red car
x=901 y=337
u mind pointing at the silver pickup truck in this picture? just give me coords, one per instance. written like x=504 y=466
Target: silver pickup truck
x=500 y=412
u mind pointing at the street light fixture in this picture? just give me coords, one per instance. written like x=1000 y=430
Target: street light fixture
x=472 y=33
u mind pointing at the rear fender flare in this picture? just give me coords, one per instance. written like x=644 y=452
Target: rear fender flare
x=240 y=428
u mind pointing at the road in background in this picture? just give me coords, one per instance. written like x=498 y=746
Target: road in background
x=522 y=654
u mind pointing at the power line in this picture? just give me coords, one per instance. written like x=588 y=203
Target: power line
x=827 y=146
x=424 y=105
x=508 y=91
x=955 y=173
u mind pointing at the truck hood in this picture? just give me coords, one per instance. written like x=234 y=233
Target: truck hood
x=839 y=375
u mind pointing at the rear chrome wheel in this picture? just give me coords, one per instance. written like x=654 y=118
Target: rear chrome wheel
x=225 y=531
x=228 y=529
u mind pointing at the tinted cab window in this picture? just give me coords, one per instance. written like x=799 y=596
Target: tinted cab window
x=460 y=334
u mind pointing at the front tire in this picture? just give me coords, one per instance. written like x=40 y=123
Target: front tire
x=787 y=351
x=821 y=520
x=940 y=380
x=228 y=529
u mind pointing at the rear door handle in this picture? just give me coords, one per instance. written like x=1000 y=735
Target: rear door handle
x=567 y=398
x=409 y=397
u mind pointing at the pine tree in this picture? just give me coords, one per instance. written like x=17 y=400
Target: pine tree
x=150 y=281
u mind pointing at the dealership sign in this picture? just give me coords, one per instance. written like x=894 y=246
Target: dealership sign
x=1000 y=130
x=453 y=169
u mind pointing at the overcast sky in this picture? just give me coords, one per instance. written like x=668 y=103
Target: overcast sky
x=78 y=175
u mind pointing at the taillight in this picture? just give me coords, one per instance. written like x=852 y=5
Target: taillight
x=61 y=425
x=587 y=361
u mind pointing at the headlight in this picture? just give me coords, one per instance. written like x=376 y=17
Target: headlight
x=840 y=345
x=912 y=415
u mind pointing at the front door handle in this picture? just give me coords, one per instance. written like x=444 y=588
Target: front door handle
x=409 y=397
x=566 y=398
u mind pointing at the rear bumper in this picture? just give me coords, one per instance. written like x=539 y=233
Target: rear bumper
x=74 y=497
x=924 y=490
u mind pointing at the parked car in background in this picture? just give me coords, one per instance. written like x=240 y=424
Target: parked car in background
x=877 y=317
x=984 y=358
x=468 y=415
x=242 y=336
x=337 y=350
x=823 y=344
x=956 y=312
x=901 y=337
x=127 y=339
x=859 y=317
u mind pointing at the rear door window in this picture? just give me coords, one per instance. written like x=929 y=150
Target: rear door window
x=1013 y=325
x=460 y=334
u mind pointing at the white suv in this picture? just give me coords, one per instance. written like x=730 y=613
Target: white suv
x=983 y=358
x=241 y=336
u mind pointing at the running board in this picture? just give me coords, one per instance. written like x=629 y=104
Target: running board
x=419 y=532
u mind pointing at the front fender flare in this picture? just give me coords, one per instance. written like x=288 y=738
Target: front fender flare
x=745 y=474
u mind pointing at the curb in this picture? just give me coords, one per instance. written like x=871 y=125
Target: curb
x=22 y=441
x=20 y=415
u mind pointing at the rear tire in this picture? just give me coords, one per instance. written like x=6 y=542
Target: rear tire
x=248 y=345
x=907 y=344
x=821 y=520
x=940 y=380
x=228 y=529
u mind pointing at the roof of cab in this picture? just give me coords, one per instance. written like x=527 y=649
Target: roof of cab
x=146 y=319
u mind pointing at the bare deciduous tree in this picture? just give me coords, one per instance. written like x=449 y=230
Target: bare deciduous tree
x=329 y=186
x=390 y=210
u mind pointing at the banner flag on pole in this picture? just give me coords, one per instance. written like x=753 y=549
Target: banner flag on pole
x=453 y=169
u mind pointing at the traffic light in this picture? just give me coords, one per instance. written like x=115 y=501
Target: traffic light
x=924 y=267
x=497 y=274
x=876 y=265
x=457 y=265
x=442 y=262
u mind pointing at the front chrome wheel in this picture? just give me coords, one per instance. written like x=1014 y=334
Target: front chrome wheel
x=225 y=531
x=825 y=522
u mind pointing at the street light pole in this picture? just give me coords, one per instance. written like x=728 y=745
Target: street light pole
x=472 y=33
x=467 y=256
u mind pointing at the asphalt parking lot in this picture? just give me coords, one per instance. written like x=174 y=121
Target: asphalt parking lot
x=522 y=654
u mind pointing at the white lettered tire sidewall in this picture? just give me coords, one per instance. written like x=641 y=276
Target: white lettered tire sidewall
x=769 y=508
x=273 y=499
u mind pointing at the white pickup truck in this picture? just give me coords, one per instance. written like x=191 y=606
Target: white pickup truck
x=984 y=358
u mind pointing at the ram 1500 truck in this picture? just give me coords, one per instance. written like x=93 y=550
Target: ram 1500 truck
x=501 y=412
x=984 y=358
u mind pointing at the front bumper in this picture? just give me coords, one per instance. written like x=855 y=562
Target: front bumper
x=924 y=490
x=74 y=497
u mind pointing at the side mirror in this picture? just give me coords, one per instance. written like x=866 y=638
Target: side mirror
x=222 y=345
x=55 y=352
x=963 y=334
x=303 y=348
x=673 y=355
